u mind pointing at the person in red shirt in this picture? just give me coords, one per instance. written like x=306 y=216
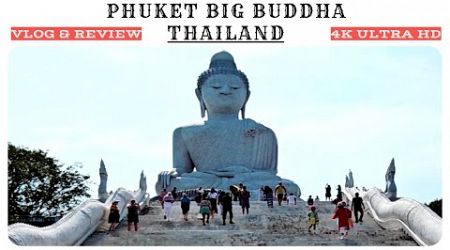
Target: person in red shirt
x=343 y=215
x=161 y=197
x=114 y=216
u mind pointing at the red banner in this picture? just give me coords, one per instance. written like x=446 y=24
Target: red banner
x=76 y=33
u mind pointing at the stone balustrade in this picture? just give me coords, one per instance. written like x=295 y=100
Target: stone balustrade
x=76 y=226
x=70 y=230
x=418 y=220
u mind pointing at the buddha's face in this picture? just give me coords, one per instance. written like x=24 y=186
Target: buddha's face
x=224 y=94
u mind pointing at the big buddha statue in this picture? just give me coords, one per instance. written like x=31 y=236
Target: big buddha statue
x=225 y=150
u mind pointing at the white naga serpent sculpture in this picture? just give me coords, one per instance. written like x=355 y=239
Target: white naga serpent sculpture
x=76 y=226
x=421 y=223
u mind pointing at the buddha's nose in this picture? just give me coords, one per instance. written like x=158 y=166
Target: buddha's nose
x=225 y=90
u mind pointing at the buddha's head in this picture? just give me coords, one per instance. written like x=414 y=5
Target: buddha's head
x=222 y=89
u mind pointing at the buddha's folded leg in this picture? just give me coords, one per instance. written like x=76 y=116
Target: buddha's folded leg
x=192 y=181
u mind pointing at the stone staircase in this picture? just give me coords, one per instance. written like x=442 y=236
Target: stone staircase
x=280 y=226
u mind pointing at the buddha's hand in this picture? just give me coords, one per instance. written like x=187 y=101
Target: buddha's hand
x=226 y=174
x=236 y=169
x=230 y=171
x=164 y=177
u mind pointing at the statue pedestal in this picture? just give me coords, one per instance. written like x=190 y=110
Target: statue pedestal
x=253 y=181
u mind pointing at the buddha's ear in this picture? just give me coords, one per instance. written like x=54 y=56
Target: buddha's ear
x=198 y=93
x=245 y=103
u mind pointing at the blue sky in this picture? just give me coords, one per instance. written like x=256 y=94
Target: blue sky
x=332 y=108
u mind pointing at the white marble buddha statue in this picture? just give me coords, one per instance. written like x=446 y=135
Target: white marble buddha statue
x=225 y=150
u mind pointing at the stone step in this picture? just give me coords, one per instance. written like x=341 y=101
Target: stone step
x=279 y=226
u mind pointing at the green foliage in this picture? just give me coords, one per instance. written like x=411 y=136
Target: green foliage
x=436 y=206
x=39 y=186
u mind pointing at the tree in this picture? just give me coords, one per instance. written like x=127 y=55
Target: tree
x=436 y=206
x=39 y=186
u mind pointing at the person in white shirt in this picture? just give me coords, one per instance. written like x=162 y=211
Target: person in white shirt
x=212 y=197
x=291 y=199
x=168 y=202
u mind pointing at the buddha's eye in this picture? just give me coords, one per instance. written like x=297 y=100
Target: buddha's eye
x=216 y=87
x=235 y=87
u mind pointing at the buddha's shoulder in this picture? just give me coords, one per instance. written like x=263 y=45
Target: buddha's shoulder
x=256 y=124
x=260 y=128
x=189 y=129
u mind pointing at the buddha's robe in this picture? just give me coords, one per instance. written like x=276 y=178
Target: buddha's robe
x=218 y=146
x=223 y=154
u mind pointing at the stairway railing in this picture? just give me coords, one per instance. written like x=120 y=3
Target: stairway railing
x=422 y=224
x=76 y=226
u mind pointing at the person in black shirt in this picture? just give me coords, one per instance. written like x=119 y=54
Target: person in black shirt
x=133 y=215
x=339 y=192
x=328 y=192
x=220 y=201
x=174 y=193
x=310 y=201
x=268 y=193
x=245 y=200
x=358 y=207
x=227 y=207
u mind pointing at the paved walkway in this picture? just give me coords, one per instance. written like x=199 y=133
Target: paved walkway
x=281 y=226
